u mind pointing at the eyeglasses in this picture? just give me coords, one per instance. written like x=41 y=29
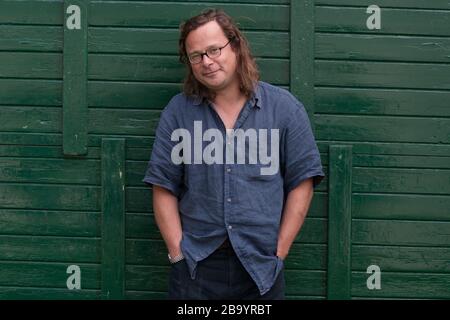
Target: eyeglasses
x=211 y=53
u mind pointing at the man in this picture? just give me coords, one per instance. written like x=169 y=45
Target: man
x=228 y=219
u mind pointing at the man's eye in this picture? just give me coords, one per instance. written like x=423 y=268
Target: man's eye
x=213 y=51
x=194 y=56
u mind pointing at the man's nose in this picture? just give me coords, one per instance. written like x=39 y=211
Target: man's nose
x=206 y=60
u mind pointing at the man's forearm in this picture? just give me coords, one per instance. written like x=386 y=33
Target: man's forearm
x=294 y=213
x=165 y=206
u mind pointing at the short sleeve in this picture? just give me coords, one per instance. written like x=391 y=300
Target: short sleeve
x=161 y=170
x=300 y=157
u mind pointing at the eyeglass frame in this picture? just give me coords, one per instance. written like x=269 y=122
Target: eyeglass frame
x=206 y=53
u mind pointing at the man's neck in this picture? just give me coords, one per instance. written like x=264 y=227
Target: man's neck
x=229 y=98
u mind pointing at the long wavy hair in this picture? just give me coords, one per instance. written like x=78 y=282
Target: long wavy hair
x=247 y=70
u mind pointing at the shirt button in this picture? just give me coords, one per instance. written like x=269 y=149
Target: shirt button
x=230 y=227
x=229 y=199
x=228 y=170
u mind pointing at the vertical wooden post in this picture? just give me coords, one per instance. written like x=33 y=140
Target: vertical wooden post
x=75 y=110
x=113 y=218
x=302 y=54
x=339 y=222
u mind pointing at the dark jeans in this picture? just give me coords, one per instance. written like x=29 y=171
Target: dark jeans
x=221 y=276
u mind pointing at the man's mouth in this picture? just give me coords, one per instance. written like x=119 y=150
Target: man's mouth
x=207 y=74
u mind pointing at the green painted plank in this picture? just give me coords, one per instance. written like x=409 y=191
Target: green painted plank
x=36 y=293
x=401 y=206
x=302 y=53
x=31 y=151
x=404 y=285
x=151 y=278
x=148 y=14
x=31 y=92
x=49 y=249
x=397 y=161
x=339 y=222
x=209 y=1
x=44 y=274
x=382 y=128
x=30 y=119
x=49 y=197
x=382 y=74
x=31 y=38
x=49 y=223
x=68 y=171
x=154 y=252
x=163 y=41
x=113 y=218
x=419 y=149
x=130 y=95
x=381 y=47
x=420 y=4
x=411 y=233
x=36 y=139
x=404 y=259
x=31 y=12
x=31 y=65
x=386 y=180
x=143 y=226
x=123 y=122
x=75 y=79
x=382 y=101
x=393 y=21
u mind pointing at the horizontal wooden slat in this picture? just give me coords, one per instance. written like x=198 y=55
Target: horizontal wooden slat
x=393 y=21
x=31 y=65
x=30 y=151
x=411 y=233
x=31 y=92
x=382 y=74
x=49 y=223
x=154 y=252
x=31 y=12
x=130 y=95
x=298 y=282
x=143 y=226
x=397 y=161
x=50 y=171
x=431 y=181
x=31 y=119
x=142 y=14
x=381 y=47
x=53 y=275
x=403 y=285
x=145 y=295
x=401 y=206
x=409 y=259
x=31 y=38
x=49 y=249
x=392 y=148
x=163 y=41
x=435 y=4
x=382 y=128
x=382 y=101
x=49 y=197
x=35 y=293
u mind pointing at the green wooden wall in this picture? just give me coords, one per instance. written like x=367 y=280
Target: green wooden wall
x=79 y=108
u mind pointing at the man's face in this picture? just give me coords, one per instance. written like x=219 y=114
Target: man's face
x=214 y=73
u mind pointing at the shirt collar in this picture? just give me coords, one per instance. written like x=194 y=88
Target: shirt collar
x=255 y=99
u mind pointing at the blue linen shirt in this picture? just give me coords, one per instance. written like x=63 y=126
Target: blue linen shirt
x=217 y=201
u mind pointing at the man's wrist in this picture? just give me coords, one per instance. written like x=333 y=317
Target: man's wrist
x=176 y=258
